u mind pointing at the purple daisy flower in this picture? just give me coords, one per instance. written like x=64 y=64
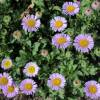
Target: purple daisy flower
x=28 y=86
x=70 y=8
x=10 y=91
x=58 y=23
x=61 y=40
x=56 y=81
x=83 y=42
x=31 y=23
x=92 y=89
x=5 y=79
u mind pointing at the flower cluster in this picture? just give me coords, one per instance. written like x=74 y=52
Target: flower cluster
x=83 y=42
x=61 y=41
x=28 y=86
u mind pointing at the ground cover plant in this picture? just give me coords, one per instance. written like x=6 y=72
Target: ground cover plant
x=49 y=50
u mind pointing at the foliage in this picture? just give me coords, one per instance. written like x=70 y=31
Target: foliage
x=70 y=63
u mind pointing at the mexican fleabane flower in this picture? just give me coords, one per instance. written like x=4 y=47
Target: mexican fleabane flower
x=31 y=69
x=83 y=43
x=31 y=23
x=70 y=8
x=58 y=23
x=28 y=86
x=5 y=80
x=92 y=89
x=61 y=40
x=56 y=81
x=6 y=63
x=10 y=91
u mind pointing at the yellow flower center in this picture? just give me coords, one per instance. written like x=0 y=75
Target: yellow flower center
x=31 y=23
x=61 y=40
x=31 y=69
x=70 y=8
x=83 y=43
x=56 y=81
x=28 y=86
x=58 y=24
x=7 y=64
x=3 y=81
x=92 y=89
x=11 y=89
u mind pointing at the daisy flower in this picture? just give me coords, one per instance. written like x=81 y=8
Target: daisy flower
x=31 y=69
x=6 y=63
x=61 y=40
x=83 y=43
x=10 y=91
x=92 y=89
x=56 y=81
x=31 y=23
x=58 y=23
x=5 y=79
x=28 y=86
x=70 y=8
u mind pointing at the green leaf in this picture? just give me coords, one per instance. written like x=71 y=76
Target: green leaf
x=35 y=48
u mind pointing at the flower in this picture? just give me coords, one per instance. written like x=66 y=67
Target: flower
x=78 y=2
x=44 y=52
x=10 y=91
x=6 y=63
x=95 y=5
x=92 y=89
x=70 y=8
x=56 y=81
x=88 y=11
x=17 y=34
x=30 y=23
x=31 y=69
x=61 y=40
x=28 y=86
x=5 y=80
x=83 y=43
x=58 y=23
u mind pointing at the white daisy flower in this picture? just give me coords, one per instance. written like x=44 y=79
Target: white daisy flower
x=83 y=43
x=70 y=8
x=56 y=81
x=61 y=40
x=31 y=23
x=58 y=23
x=31 y=69
x=6 y=63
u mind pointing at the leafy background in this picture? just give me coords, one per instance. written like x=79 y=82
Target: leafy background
x=70 y=63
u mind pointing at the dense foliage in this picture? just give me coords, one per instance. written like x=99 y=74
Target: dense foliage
x=22 y=46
